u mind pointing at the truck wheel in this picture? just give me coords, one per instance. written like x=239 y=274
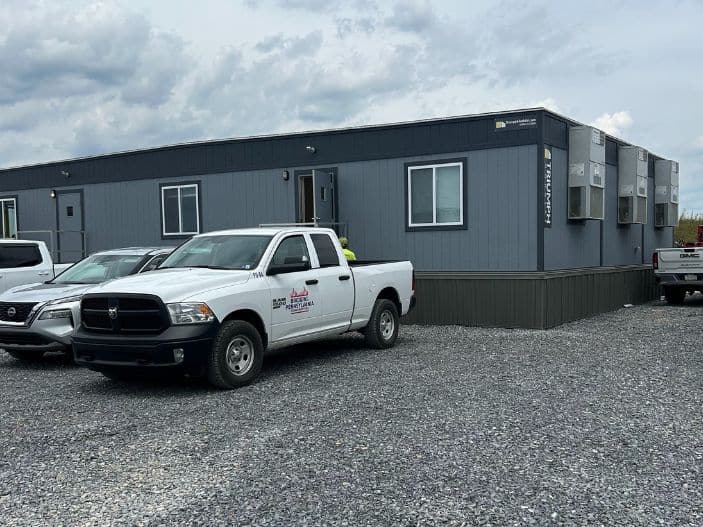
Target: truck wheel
x=674 y=295
x=382 y=330
x=237 y=355
x=26 y=356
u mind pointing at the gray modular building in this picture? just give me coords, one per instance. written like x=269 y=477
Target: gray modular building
x=516 y=219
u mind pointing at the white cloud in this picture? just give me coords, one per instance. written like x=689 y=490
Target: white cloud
x=614 y=123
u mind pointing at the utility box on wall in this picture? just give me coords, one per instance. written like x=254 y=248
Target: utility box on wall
x=666 y=193
x=632 y=184
x=586 y=198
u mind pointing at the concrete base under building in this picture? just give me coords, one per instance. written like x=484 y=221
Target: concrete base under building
x=537 y=300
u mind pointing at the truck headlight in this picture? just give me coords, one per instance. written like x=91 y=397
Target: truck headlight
x=51 y=314
x=190 y=313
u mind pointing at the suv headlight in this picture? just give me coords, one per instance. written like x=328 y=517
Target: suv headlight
x=190 y=313
x=48 y=313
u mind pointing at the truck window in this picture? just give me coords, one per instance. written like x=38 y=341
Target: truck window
x=326 y=252
x=12 y=256
x=291 y=250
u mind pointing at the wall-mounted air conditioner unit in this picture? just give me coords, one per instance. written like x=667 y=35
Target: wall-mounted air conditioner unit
x=586 y=198
x=666 y=193
x=632 y=184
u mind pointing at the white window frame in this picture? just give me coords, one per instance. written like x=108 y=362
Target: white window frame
x=434 y=168
x=180 y=211
x=14 y=209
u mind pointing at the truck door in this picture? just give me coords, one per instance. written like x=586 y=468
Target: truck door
x=295 y=296
x=336 y=284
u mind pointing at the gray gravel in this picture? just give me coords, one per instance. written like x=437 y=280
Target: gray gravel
x=597 y=422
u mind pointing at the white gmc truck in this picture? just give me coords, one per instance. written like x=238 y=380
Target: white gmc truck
x=221 y=299
x=678 y=271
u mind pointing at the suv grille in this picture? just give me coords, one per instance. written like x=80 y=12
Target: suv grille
x=142 y=314
x=15 y=311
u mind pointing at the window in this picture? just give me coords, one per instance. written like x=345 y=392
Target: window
x=219 y=252
x=326 y=252
x=8 y=218
x=291 y=250
x=154 y=263
x=180 y=210
x=436 y=195
x=99 y=268
x=13 y=255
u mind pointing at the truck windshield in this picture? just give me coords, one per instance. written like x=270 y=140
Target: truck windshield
x=100 y=268
x=241 y=252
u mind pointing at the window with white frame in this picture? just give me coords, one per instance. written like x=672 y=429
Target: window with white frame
x=180 y=209
x=435 y=195
x=8 y=218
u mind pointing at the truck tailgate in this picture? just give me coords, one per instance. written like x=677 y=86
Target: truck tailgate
x=680 y=260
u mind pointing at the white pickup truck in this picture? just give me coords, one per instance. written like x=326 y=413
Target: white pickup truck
x=26 y=262
x=221 y=299
x=678 y=271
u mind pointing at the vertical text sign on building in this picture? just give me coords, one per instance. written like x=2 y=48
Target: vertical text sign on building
x=547 y=187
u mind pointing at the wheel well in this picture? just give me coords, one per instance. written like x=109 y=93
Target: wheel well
x=253 y=318
x=391 y=294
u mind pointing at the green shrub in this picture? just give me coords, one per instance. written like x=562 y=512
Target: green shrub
x=687 y=229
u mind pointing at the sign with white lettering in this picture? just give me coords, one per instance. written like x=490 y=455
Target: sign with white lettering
x=547 y=186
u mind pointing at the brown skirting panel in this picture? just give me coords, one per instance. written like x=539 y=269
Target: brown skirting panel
x=528 y=300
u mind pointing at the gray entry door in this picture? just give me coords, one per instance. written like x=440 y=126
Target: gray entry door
x=69 y=216
x=324 y=182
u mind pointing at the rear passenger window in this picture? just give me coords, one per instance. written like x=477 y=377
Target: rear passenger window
x=12 y=256
x=326 y=252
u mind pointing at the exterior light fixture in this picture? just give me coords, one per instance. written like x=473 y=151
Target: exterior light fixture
x=66 y=173
x=286 y=175
x=311 y=149
x=52 y=194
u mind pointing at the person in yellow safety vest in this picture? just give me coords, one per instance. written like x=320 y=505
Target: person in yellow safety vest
x=348 y=253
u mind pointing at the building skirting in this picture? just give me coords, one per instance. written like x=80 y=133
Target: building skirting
x=538 y=300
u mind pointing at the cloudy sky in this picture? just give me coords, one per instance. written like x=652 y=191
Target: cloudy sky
x=85 y=77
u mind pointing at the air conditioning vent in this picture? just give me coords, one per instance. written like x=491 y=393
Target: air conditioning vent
x=666 y=192
x=633 y=184
x=625 y=210
x=586 y=173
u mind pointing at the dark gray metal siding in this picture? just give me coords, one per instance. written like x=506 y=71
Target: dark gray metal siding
x=622 y=244
x=502 y=221
x=568 y=244
x=333 y=147
x=501 y=230
x=529 y=300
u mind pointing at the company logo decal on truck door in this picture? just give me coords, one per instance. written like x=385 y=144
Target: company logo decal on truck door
x=300 y=301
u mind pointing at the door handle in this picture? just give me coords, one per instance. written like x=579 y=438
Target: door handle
x=311 y=282
x=44 y=273
x=344 y=277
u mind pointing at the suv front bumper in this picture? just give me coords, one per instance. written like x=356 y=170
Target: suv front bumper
x=40 y=335
x=107 y=351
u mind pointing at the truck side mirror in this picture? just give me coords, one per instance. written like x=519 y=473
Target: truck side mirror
x=293 y=267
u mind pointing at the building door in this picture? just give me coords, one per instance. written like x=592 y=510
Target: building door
x=69 y=218
x=317 y=196
x=324 y=183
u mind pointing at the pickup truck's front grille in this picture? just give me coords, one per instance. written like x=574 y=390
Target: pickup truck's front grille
x=135 y=314
x=15 y=311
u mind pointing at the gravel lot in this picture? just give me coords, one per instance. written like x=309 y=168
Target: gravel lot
x=596 y=422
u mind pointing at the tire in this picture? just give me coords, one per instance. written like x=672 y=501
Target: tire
x=236 y=356
x=382 y=330
x=26 y=356
x=674 y=295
